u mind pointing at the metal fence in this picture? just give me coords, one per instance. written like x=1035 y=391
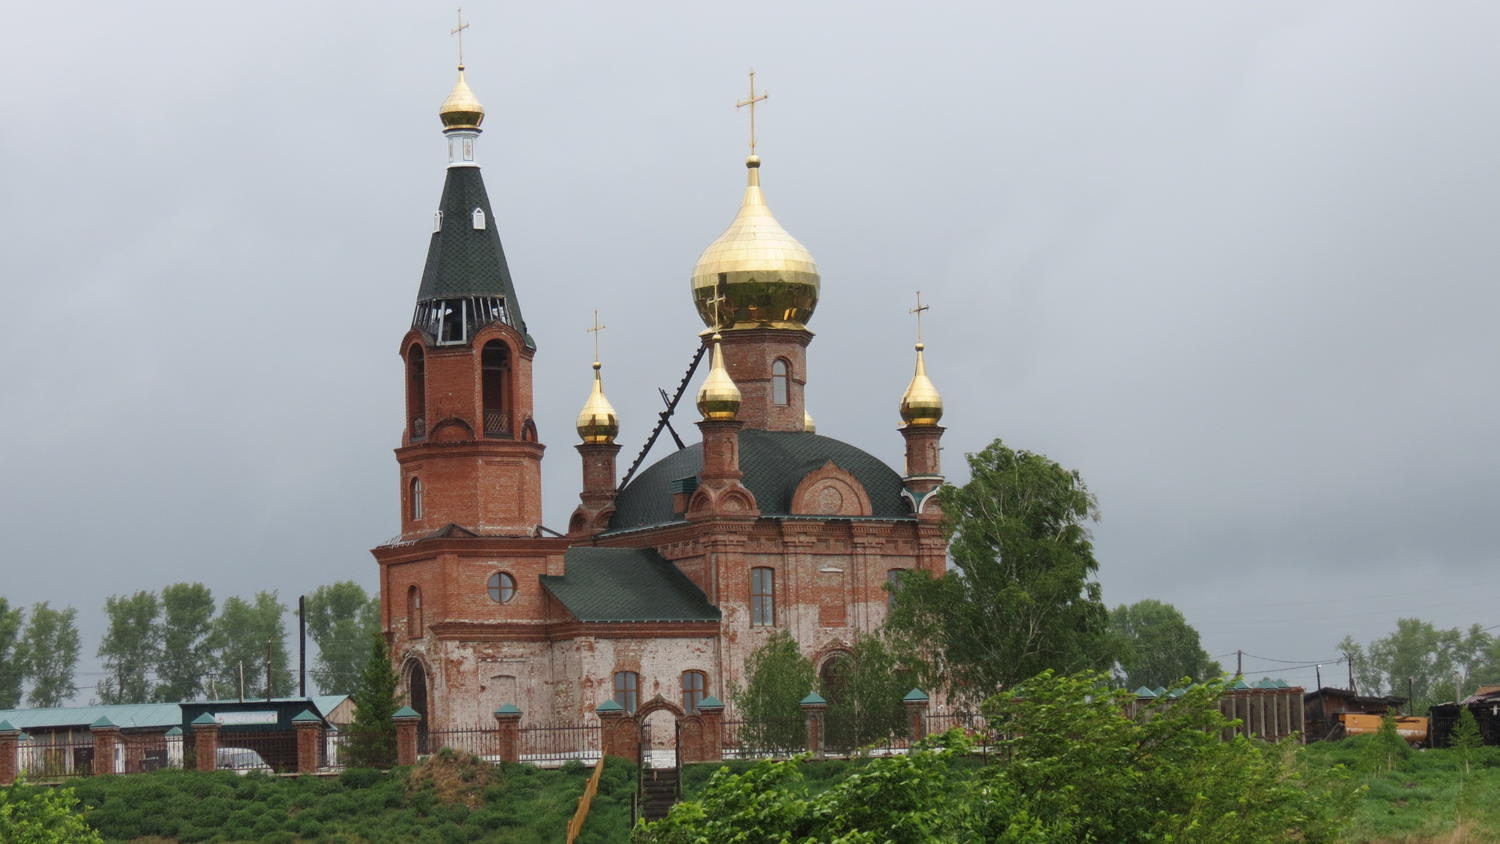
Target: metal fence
x=266 y=752
x=484 y=743
x=559 y=743
x=56 y=757
x=764 y=739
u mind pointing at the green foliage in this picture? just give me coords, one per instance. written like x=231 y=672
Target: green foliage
x=130 y=648
x=50 y=650
x=239 y=638
x=1428 y=798
x=864 y=691
x=1388 y=749
x=778 y=676
x=1466 y=737
x=1021 y=597
x=372 y=735
x=340 y=618
x=1427 y=656
x=185 y=660
x=31 y=815
x=11 y=670
x=1157 y=647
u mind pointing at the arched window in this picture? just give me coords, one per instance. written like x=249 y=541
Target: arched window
x=414 y=499
x=414 y=612
x=892 y=583
x=694 y=688
x=416 y=392
x=502 y=587
x=833 y=677
x=781 y=382
x=495 y=378
x=762 y=597
x=627 y=690
x=478 y=218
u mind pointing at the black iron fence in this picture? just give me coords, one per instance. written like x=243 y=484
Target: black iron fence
x=558 y=743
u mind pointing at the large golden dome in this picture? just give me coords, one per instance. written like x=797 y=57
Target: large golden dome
x=767 y=278
x=462 y=109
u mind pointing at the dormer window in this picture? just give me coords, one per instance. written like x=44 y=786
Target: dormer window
x=478 y=219
x=437 y=222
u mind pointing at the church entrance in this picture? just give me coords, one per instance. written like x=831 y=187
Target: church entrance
x=660 y=723
x=416 y=697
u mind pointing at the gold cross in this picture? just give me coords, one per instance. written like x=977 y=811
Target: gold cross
x=716 y=301
x=754 y=98
x=459 y=31
x=918 y=311
x=595 y=331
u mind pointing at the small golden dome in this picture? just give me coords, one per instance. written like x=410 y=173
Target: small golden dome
x=768 y=279
x=462 y=109
x=808 y=425
x=597 y=422
x=921 y=405
x=718 y=398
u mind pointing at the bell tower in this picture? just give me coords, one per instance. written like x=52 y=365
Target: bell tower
x=469 y=454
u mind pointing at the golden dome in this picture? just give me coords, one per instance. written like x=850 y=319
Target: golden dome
x=462 y=109
x=596 y=421
x=921 y=405
x=808 y=425
x=718 y=398
x=768 y=279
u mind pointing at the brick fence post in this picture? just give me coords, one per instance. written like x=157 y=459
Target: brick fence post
x=10 y=740
x=916 y=714
x=106 y=739
x=508 y=729
x=813 y=709
x=206 y=742
x=406 y=720
x=309 y=729
x=619 y=735
x=712 y=712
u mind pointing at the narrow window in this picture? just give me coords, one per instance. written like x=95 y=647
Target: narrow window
x=437 y=221
x=780 y=382
x=495 y=385
x=502 y=587
x=627 y=690
x=892 y=583
x=694 y=684
x=416 y=392
x=468 y=149
x=416 y=499
x=762 y=597
x=478 y=219
x=414 y=612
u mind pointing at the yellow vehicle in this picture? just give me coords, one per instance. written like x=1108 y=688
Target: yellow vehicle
x=1409 y=727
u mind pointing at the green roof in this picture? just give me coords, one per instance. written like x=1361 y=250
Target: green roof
x=1144 y=692
x=5 y=727
x=125 y=715
x=406 y=712
x=205 y=719
x=609 y=706
x=813 y=699
x=915 y=695
x=626 y=584
x=710 y=702
x=463 y=261
x=508 y=709
x=102 y=721
x=304 y=716
x=773 y=463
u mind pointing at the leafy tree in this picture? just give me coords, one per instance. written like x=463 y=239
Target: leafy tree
x=240 y=637
x=1424 y=658
x=778 y=677
x=372 y=735
x=864 y=692
x=11 y=670
x=185 y=659
x=1157 y=647
x=1389 y=748
x=340 y=619
x=50 y=647
x=130 y=648
x=47 y=815
x=1021 y=597
x=1466 y=737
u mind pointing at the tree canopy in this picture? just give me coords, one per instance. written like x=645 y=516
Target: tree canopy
x=241 y=634
x=1021 y=597
x=185 y=660
x=1428 y=657
x=130 y=648
x=372 y=735
x=340 y=619
x=777 y=678
x=12 y=671
x=51 y=647
x=1157 y=647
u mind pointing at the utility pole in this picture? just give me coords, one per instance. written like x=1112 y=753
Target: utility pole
x=1239 y=663
x=242 y=681
x=1320 y=675
x=1350 y=660
x=302 y=643
x=268 y=670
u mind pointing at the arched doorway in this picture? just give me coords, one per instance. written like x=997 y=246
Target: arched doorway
x=659 y=719
x=416 y=698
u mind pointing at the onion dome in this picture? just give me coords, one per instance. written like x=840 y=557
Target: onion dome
x=767 y=278
x=921 y=405
x=596 y=421
x=808 y=425
x=462 y=109
x=718 y=398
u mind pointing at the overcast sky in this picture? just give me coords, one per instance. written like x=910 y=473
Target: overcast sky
x=1234 y=262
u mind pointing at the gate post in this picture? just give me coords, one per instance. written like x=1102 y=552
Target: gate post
x=10 y=739
x=712 y=712
x=813 y=708
x=106 y=739
x=618 y=733
x=508 y=726
x=206 y=742
x=916 y=714
x=309 y=729
x=406 y=720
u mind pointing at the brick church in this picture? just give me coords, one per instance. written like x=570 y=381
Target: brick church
x=665 y=584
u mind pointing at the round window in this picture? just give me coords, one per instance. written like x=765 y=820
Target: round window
x=502 y=587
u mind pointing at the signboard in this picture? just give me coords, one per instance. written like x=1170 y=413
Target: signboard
x=265 y=716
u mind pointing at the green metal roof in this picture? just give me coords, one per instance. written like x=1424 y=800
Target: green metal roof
x=915 y=695
x=305 y=715
x=406 y=712
x=609 y=706
x=1144 y=692
x=626 y=584
x=463 y=261
x=773 y=463
x=508 y=709
x=710 y=702
x=126 y=716
x=813 y=699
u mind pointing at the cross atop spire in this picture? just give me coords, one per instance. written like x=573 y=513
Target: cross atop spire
x=918 y=311
x=459 y=31
x=594 y=330
x=754 y=98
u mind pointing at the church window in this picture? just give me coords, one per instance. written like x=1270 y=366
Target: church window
x=414 y=612
x=694 y=685
x=762 y=597
x=780 y=382
x=416 y=392
x=502 y=587
x=893 y=582
x=478 y=219
x=437 y=221
x=495 y=385
x=416 y=499
x=627 y=690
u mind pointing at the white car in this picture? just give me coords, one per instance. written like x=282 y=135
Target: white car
x=241 y=760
